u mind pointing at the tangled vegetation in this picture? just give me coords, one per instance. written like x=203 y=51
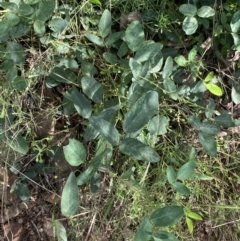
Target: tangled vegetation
x=125 y=114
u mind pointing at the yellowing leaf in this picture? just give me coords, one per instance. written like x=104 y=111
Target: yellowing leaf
x=189 y=225
x=209 y=77
x=214 y=89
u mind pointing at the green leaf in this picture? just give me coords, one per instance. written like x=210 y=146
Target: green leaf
x=16 y=52
x=235 y=22
x=94 y=164
x=75 y=152
x=225 y=120
x=19 y=83
x=210 y=108
x=171 y=88
x=209 y=143
x=181 y=61
x=158 y=125
x=106 y=130
x=45 y=10
x=25 y=9
x=209 y=128
x=105 y=23
x=144 y=231
x=194 y=216
x=138 y=150
x=81 y=103
x=60 y=231
x=97 y=2
x=94 y=39
x=70 y=198
x=39 y=28
x=214 y=89
x=194 y=122
x=205 y=12
x=19 y=31
x=188 y=9
x=235 y=94
x=134 y=36
x=112 y=38
x=90 y=132
x=67 y=104
x=92 y=89
x=141 y=112
x=181 y=188
x=4 y=32
x=166 y=216
x=192 y=54
x=156 y=63
x=58 y=25
x=171 y=175
x=13 y=7
x=148 y=50
x=10 y=20
x=136 y=68
x=21 y=189
x=190 y=25
x=88 y=69
x=186 y=170
x=18 y=144
x=189 y=225
x=164 y=236
x=168 y=68
x=62 y=75
x=110 y=58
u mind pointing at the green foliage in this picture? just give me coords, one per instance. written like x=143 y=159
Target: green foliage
x=131 y=95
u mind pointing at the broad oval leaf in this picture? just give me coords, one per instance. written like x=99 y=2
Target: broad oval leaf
x=171 y=175
x=94 y=39
x=106 y=130
x=190 y=25
x=235 y=22
x=144 y=231
x=181 y=60
x=158 y=125
x=75 y=152
x=70 y=199
x=186 y=170
x=105 y=23
x=111 y=39
x=81 y=103
x=214 y=89
x=25 y=9
x=136 y=67
x=148 y=50
x=141 y=112
x=16 y=52
x=225 y=120
x=166 y=216
x=92 y=89
x=181 y=188
x=194 y=122
x=134 y=36
x=205 y=12
x=209 y=143
x=60 y=231
x=39 y=27
x=110 y=58
x=209 y=128
x=188 y=9
x=58 y=25
x=45 y=10
x=62 y=75
x=138 y=150
x=168 y=67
